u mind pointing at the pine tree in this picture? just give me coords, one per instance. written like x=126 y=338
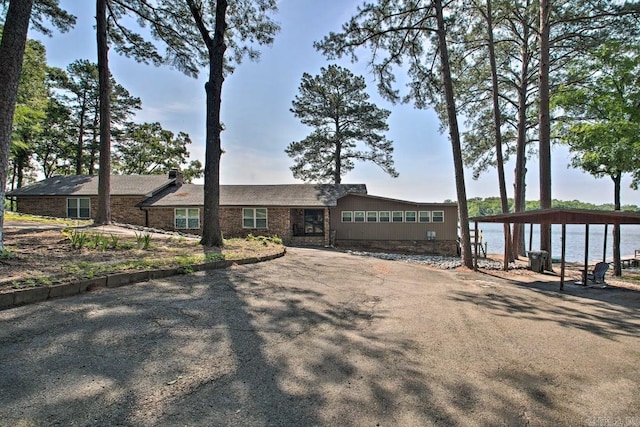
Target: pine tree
x=347 y=127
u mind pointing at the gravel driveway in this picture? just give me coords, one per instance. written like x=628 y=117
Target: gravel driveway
x=324 y=338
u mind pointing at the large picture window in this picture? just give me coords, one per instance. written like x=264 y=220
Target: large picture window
x=254 y=217
x=187 y=218
x=78 y=207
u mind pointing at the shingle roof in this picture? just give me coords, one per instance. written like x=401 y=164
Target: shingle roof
x=300 y=195
x=82 y=185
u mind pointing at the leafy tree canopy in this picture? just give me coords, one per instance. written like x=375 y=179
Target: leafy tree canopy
x=600 y=119
x=147 y=148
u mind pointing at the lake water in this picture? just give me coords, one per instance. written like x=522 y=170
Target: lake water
x=629 y=240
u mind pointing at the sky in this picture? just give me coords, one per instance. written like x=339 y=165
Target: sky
x=257 y=97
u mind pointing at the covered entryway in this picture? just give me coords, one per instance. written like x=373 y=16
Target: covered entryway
x=309 y=226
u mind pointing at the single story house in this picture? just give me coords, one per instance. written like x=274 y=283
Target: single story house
x=301 y=214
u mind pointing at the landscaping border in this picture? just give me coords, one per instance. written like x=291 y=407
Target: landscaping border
x=19 y=297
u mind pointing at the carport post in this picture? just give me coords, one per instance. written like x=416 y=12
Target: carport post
x=475 y=246
x=586 y=255
x=564 y=245
x=604 y=250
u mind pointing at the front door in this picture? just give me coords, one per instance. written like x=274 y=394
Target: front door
x=314 y=222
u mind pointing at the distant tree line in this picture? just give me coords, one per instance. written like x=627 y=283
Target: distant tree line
x=479 y=206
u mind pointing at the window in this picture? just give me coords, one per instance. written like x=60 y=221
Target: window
x=397 y=216
x=187 y=218
x=437 y=216
x=424 y=216
x=358 y=216
x=431 y=235
x=372 y=216
x=78 y=207
x=314 y=222
x=347 y=216
x=410 y=216
x=254 y=218
x=383 y=216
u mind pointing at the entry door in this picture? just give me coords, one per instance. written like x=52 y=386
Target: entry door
x=314 y=221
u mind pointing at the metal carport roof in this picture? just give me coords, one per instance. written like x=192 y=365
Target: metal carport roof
x=563 y=217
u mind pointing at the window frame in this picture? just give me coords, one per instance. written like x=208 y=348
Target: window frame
x=428 y=217
x=342 y=216
x=406 y=217
x=78 y=208
x=188 y=217
x=393 y=216
x=440 y=217
x=375 y=217
x=254 y=219
x=359 y=216
x=387 y=217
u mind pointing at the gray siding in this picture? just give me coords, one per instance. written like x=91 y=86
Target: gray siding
x=447 y=230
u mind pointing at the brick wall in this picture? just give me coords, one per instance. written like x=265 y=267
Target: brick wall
x=123 y=208
x=54 y=206
x=278 y=222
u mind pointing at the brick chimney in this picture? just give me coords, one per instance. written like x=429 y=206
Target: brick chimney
x=177 y=176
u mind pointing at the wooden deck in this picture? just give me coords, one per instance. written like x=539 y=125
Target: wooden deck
x=631 y=262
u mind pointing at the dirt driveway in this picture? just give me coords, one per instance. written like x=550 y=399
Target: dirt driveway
x=324 y=338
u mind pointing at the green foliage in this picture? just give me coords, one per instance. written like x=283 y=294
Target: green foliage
x=78 y=239
x=30 y=112
x=147 y=148
x=6 y=254
x=214 y=256
x=347 y=127
x=115 y=241
x=601 y=120
x=265 y=240
x=143 y=240
x=491 y=206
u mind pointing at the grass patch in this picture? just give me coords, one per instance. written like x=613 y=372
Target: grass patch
x=15 y=216
x=43 y=258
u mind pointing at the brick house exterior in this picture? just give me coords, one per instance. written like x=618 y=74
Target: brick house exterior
x=300 y=214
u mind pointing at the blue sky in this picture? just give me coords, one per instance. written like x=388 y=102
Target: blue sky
x=255 y=110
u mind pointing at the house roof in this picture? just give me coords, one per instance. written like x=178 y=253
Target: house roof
x=387 y=199
x=83 y=185
x=295 y=195
x=563 y=216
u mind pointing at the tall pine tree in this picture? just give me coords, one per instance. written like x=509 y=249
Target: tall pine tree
x=347 y=127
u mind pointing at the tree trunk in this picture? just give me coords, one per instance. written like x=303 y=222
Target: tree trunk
x=617 y=265
x=545 y=127
x=12 y=46
x=80 y=144
x=337 y=171
x=519 y=193
x=497 y=123
x=103 y=216
x=211 y=233
x=454 y=133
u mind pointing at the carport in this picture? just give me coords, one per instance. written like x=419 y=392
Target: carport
x=562 y=217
